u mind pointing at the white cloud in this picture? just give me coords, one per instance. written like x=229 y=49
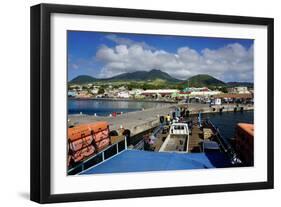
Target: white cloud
x=232 y=62
x=126 y=41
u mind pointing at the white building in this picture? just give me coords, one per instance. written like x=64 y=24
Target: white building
x=122 y=88
x=159 y=92
x=239 y=90
x=71 y=93
x=217 y=101
x=95 y=91
x=136 y=92
x=123 y=94
x=205 y=93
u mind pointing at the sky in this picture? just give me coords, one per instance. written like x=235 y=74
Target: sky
x=103 y=55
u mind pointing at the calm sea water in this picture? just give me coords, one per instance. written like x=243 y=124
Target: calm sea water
x=105 y=107
x=227 y=121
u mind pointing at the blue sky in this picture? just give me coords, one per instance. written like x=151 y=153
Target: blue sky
x=107 y=54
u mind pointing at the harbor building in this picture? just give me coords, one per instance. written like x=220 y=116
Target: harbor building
x=159 y=93
x=239 y=90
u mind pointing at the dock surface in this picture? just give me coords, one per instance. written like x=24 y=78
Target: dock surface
x=194 y=140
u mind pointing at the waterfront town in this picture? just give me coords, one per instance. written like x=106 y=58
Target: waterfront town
x=239 y=94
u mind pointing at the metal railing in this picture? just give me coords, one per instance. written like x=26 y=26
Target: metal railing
x=155 y=132
x=139 y=145
x=99 y=157
x=227 y=148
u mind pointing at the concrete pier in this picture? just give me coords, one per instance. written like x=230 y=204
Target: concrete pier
x=139 y=121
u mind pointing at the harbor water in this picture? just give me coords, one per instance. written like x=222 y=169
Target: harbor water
x=227 y=121
x=106 y=107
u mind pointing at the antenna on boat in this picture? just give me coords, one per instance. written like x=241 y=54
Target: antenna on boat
x=199 y=119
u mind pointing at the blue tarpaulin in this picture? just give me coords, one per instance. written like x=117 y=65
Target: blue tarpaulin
x=141 y=161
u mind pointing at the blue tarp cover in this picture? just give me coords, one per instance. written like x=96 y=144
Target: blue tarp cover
x=141 y=161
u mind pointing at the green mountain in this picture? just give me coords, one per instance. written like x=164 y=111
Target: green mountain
x=202 y=80
x=153 y=75
x=144 y=76
x=83 y=79
x=159 y=78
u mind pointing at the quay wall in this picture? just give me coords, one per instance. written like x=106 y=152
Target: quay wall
x=223 y=108
x=139 y=121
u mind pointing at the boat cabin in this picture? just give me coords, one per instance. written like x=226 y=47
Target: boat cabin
x=177 y=140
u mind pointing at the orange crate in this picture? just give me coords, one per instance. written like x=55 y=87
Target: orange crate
x=81 y=143
x=83 y=153
x=78 y=132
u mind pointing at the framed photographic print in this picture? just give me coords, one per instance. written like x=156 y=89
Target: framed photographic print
x=132 y=103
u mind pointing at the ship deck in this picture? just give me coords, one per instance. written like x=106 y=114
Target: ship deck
x=195 y=139
x=176 y=143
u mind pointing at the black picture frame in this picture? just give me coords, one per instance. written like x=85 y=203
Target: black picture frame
x=41 y=95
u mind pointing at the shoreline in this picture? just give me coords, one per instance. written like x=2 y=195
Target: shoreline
x=123 y=99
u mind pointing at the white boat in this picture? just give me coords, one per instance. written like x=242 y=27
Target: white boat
x=177 y=139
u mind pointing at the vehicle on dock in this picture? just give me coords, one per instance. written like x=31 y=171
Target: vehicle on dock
x=177 y=140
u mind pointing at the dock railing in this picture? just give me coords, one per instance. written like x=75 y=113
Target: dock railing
x=154 y=133
x=227 y=148
x=99 y=157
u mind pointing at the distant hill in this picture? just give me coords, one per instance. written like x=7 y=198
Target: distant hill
x=161 y=79
x=202 y=80
x=152 y=75
x=236 y=84
x=83 y=79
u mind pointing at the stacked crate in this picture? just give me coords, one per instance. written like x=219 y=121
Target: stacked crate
x=86 y=140
x=100 y=131
x=80 y=143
